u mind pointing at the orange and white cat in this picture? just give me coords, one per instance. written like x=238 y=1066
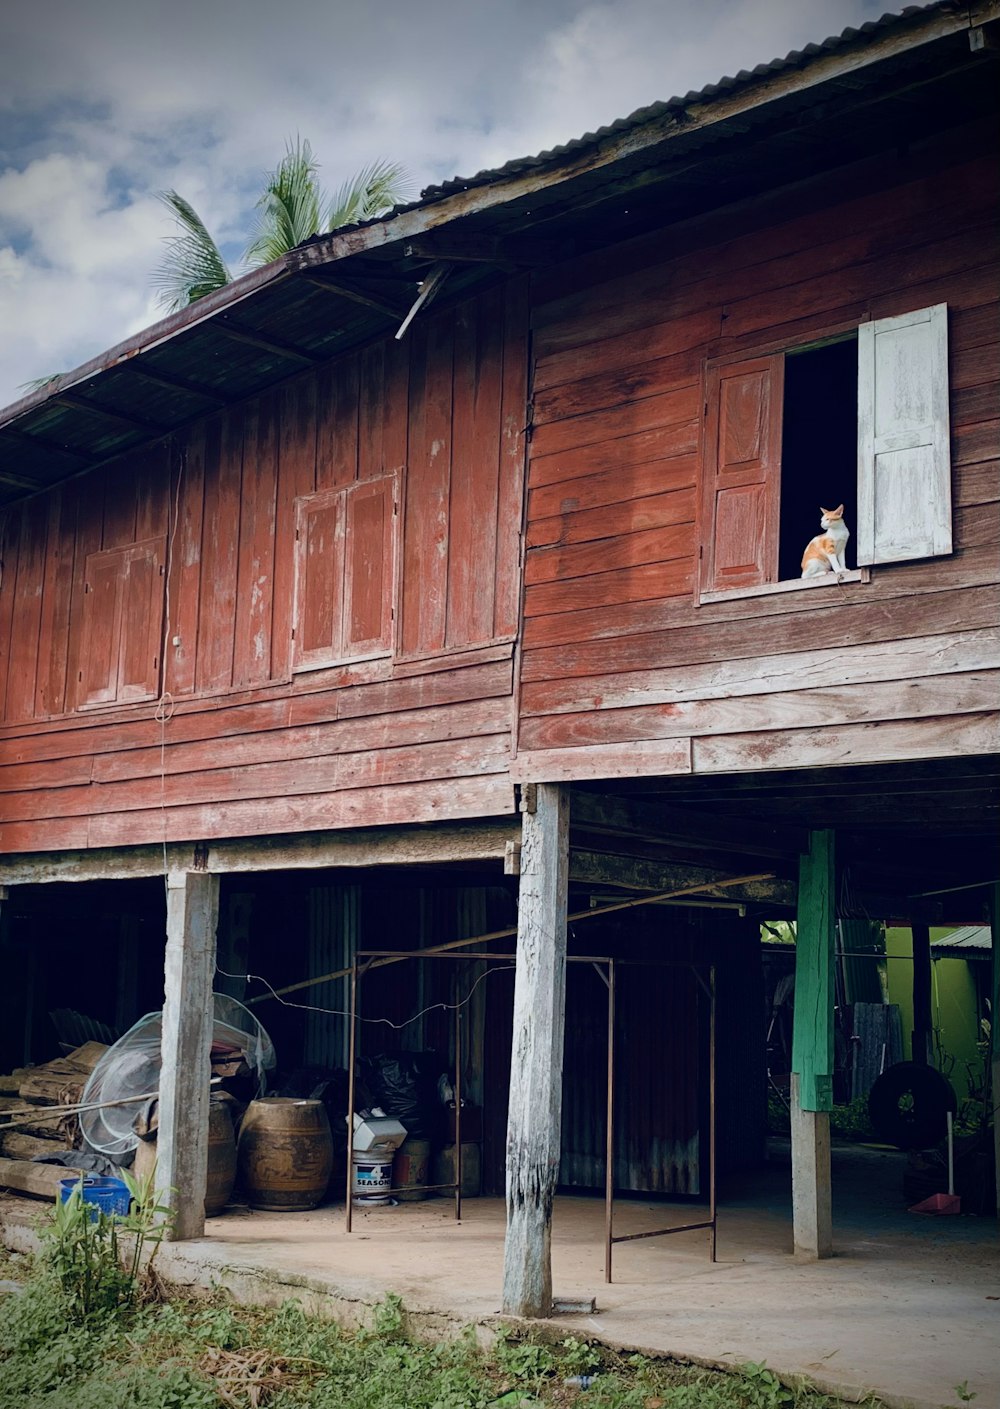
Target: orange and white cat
x=825 y=552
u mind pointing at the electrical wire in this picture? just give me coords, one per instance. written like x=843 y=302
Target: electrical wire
x=345 y=1013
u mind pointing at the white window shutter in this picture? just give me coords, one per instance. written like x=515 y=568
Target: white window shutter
x=904 y=460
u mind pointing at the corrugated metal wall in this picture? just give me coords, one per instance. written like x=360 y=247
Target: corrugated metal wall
x=333 y=928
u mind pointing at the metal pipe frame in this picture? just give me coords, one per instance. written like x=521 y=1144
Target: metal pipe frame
x=711 y=1222
x=609 y=979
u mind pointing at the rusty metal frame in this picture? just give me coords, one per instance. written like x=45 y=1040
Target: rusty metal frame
x=357 y=973
x=605 y=966
x=711 y=1222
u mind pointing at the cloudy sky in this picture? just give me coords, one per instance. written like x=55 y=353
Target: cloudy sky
x=103 y=103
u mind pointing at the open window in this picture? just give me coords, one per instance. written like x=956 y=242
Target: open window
x=861 y=420
x=122 y=625
x=345 y=573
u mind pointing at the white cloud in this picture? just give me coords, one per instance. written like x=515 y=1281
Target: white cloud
x=104 y=104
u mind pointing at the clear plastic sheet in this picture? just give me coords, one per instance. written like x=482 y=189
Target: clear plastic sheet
x=130 y=1072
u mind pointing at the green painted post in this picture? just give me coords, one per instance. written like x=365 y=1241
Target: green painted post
x=812 y=1033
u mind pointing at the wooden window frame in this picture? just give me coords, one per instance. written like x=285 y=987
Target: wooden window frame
x=121 y=691
x=867 y=554
x=339 y=499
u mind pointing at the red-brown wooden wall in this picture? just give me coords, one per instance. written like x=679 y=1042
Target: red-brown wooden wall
x=242 y=745
x=622 y=671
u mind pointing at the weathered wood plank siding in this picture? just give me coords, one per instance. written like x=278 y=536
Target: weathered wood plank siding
x=243 y=743
x=622 y=670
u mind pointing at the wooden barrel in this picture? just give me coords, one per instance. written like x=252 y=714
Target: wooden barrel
x=221 y=1158
x=285 y=1153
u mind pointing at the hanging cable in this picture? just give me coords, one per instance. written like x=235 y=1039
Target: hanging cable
x=344 y=1013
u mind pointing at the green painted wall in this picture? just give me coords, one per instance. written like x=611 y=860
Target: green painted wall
x=953 y=1002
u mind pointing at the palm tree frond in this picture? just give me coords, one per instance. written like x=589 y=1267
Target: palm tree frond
x=193 y=265
x=373 y=191
x=37 y=383
x=289 y=206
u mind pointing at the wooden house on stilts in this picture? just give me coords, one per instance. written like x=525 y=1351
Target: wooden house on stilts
x=323 y=635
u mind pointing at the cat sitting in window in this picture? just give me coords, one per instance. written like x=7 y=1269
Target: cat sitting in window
x=825 y=552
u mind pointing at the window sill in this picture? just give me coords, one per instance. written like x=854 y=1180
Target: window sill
x=795 y=584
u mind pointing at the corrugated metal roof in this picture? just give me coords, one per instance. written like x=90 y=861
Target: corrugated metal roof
x=977 y=938
x=796 y=59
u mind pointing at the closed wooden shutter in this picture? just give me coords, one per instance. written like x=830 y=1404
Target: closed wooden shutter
x=904 y=461
x=319 y=578
x=104 y=579
x=122 y=624
x=141 y=622
x=742 y=473
x=369 y=575
x=345 y=573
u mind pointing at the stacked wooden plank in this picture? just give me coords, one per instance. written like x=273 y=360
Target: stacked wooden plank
x=42 y=1125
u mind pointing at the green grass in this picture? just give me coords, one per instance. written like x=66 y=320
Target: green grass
x=166 y=1350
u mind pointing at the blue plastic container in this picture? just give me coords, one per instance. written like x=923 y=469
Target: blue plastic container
x=101 y=1191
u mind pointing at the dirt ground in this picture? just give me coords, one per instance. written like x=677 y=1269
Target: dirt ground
x=908 y=1308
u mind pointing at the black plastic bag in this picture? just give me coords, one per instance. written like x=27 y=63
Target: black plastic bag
x=405 y=1085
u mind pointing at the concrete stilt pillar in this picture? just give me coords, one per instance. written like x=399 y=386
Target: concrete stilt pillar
x=812 y=1210
x=182 y=1140
x=535 y=1112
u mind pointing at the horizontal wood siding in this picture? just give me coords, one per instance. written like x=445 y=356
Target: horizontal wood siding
x=622 y=672
x=241 y=744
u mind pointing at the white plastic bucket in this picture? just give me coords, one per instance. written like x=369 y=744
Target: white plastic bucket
x=371 y=1178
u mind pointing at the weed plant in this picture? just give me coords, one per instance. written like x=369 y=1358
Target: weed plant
x=90 y=1329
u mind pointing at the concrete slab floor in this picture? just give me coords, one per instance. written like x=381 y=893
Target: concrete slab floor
x=909 y=1308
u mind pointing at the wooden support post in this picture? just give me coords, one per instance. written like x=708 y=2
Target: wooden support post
x=536 y=1063
x=182 y=1142
x=995 y=1032
x=812 y=1051
x=922 y=1038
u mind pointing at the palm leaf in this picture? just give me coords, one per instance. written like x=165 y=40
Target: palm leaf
x=373 y=191
x=37 y=383
x=289 y=206
x=193 y=265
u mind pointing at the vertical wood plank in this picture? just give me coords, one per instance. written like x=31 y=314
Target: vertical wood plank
x=89 y=529
x=475 y=462
x=187 y=503
x=182 y=1141
x=255 y=577
x=513 y=449
x=50 y=690
x=119 y=504
x=337 y=424
x=9 y=546
x=152 y=488
x=812 y=1039
x=27 y=612
x=425 y=533
x=535 y=1109
x=220 y=547
x=296 y=476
